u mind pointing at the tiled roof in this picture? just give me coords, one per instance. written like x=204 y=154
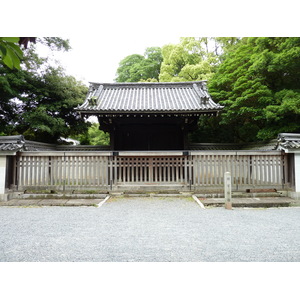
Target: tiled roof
x=18 y=143
x=260 y=146
x=83 y=148
x=11 y=143
x=288 y=141
x=149 y=97
x=213 y=146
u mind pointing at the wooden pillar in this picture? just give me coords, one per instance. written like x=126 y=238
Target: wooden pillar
x=185 y=139
x=184 y=132
x=112 y=135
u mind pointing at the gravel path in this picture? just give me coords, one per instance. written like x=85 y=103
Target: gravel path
x=150 y=230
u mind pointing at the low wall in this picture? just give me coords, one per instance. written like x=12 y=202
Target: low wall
x=106 y=170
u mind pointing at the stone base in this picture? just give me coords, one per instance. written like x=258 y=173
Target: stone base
x=228 y=205
x=294 y=195
x=4 y=197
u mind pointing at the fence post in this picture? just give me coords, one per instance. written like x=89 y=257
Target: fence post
x=227 y=190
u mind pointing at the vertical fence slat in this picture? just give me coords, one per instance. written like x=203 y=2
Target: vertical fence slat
x=200 y=169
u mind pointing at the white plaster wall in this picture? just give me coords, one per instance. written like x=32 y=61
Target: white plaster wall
x=2 y=173
x=297 y=172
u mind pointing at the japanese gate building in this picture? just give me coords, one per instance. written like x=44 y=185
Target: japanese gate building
x=149 y=149
x=148 y=116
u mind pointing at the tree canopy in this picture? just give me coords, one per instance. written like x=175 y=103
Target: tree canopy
x=258 y=82
x=38 y=100
x=256 y=79
x=10 y=52
x=94 y=136
x=190 y=60
x=136 y=67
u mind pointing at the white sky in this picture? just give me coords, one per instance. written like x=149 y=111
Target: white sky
x=102 y=60
x=103 y=33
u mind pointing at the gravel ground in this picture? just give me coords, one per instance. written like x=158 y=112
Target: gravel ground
x=149 y=230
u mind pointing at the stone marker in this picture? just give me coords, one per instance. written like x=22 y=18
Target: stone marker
x=227 y=190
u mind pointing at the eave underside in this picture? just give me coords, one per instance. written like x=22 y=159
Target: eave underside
x=162 y=114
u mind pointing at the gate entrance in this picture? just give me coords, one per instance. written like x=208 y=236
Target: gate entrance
x=151 y=170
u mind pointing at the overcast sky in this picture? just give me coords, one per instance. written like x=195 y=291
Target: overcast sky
x=99 y=61
x=102 y=33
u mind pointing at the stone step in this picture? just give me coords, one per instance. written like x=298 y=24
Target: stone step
x=140 y=193
x=242 y=195
x=51 y=202
x=56 y=196
x=249 y=202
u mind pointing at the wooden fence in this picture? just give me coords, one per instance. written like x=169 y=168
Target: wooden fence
x=62 y=170
x=254 y=169
x=106 y=170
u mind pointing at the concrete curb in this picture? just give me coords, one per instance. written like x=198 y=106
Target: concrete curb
x=51 y=202
x=202 y=202
x=250 y=202
x=102 y=202
x=198 y=201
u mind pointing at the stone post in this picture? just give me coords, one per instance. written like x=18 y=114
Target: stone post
x=227 y=190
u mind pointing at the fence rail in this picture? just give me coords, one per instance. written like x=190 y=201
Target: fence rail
x=62 y=170
x=165 y=170
x=196 y=169
x=258 y=169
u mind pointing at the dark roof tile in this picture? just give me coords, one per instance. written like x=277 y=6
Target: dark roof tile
x=288 y=141
x=149 y=97
x=11 y=143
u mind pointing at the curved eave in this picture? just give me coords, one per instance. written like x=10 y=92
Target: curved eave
x=139 y=112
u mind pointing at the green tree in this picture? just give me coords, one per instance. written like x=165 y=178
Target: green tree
x=223 y=45
x=130 y=68
x=258 y=82
x=10 y=52
x=94 y=136
x=48 y=112
x=136 y=67
x=38 y=100
x=190 y=60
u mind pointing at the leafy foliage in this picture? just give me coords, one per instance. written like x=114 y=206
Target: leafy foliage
x=256 y=79
x=190 y=60
x=94 y=136
x=135 y=67
x=10 y=53
x=50 y=109
x=55 y=43
x=283 y=117
x=258 y=83
x=38 y=100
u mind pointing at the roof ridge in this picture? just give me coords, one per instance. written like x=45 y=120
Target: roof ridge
x=190 y=96
x=202 y=96
x=180 y=83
